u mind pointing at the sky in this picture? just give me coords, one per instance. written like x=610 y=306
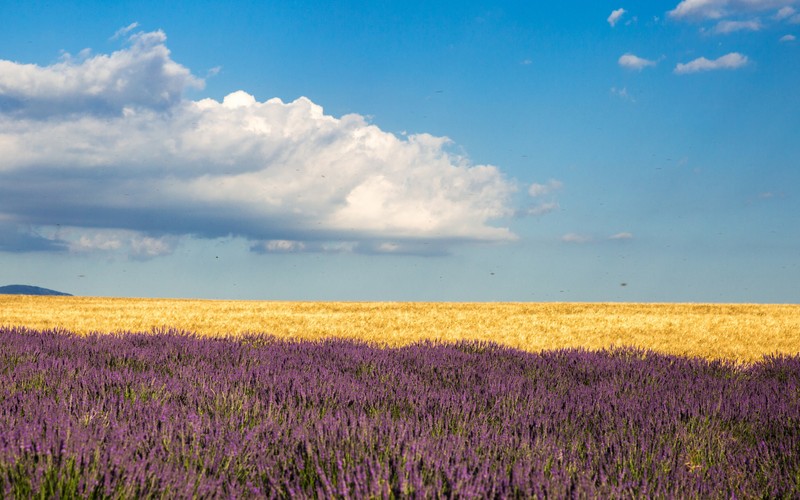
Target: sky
x=402 y=151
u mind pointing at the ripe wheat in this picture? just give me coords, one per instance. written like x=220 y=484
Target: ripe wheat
x=740 y=332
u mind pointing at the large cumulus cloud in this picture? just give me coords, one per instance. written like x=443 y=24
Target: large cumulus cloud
x=101 y=143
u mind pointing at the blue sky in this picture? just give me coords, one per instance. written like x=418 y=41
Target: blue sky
x=446 y=151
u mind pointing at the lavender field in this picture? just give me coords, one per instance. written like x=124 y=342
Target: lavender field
x=175 y=415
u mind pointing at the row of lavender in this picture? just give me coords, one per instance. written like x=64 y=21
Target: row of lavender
x=174 y=415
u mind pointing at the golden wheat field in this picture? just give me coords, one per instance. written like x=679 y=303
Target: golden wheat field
x=741 y=332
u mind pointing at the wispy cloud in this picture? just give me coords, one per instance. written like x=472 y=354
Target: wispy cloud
x=543 y=208
x=623 y=93
x=576 y=238
x=788 y=14
x=109 y=143
x=788 y=38
x=785 y=13
x=543 y=194
x=621 y=236
x=734 y=60
x=718 y=9
x=727 y=27
x=130 y=243
x=615 y=16
x=281 y=246
x=536 y=190
x=632 y=61
x=122 y=32
x=580 y=238
x=96 y=241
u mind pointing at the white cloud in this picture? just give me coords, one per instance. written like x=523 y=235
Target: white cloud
x=734 y=60
x=543 y=208
x=718 y=9
x=634 y=62
x=95 y=242
x=140 y=75
x=283 y=246
x=788 y=38
x=699 y=8
x=124 y=31
x=109 y=142
x=110 y=241
x=535 y=190
x=615 y=16
x=583 y=238
x=788 y=14
x=623 y=94
x=576 y=238
x=621 y=236
x=726 y=27
x=146 y=247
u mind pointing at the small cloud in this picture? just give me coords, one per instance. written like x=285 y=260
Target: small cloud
x=97 y=242
x=621 y=236
x=339 y=247
x=283 y=246
x=726 y=27
x=718 y=9
x=623 y=94
x=734 y=60
x=634 y=62
x=526 y=62
x=765 y=197
x=788 y=38
x=785 y=13
x=132 y=244
x=542 y=208
x=710 y=9
x=536 y=190
x=213 y=71
x=615 y=16
x=147 y=247
x=388 y=247
x=576 y=238
x=124 y=31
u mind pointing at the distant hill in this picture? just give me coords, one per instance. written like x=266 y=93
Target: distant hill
x=29 y=290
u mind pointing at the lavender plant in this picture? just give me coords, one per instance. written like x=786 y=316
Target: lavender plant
x=169 y=414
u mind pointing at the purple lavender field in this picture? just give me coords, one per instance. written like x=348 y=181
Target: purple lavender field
x=174 y=415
